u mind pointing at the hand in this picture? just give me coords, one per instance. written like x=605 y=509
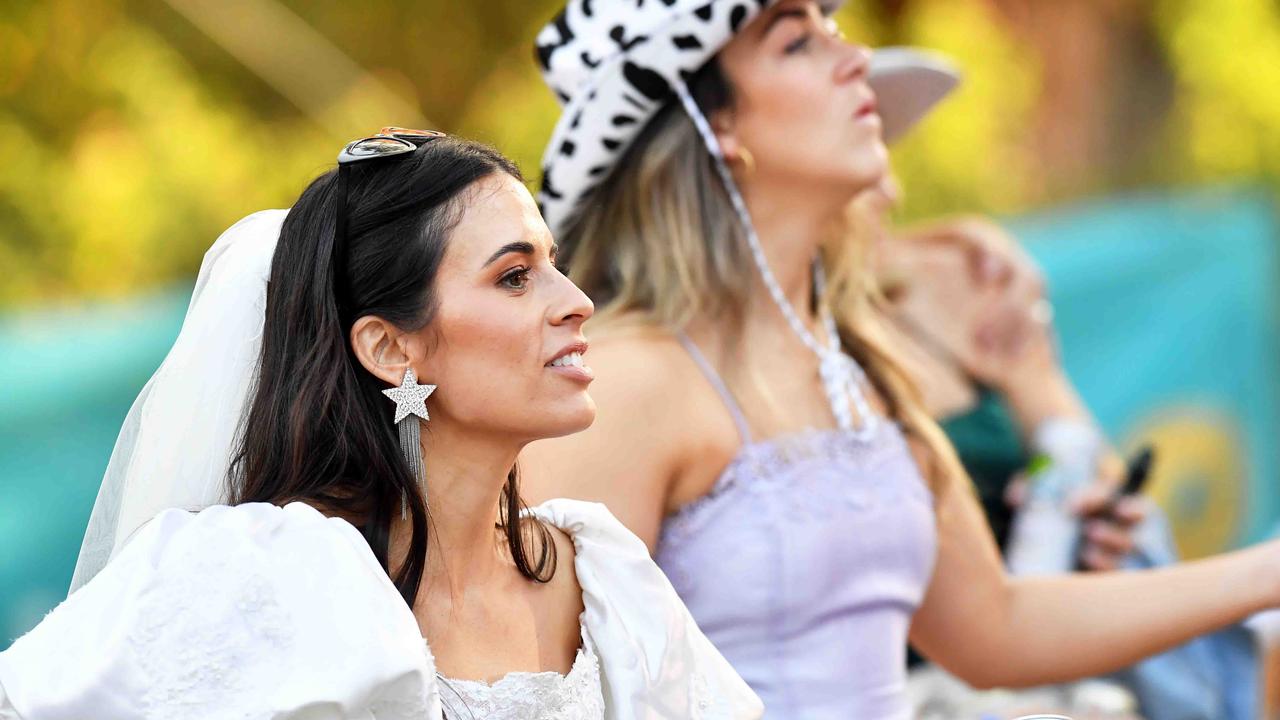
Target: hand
x=997 y=324
x=972 y=298
x=995 y=259
x=1013 y=341
x=1107 y=536
x=1107 y=531
x=1013 y=348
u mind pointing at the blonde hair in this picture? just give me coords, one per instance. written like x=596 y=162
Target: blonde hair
x=659 y=234
x=659 y=243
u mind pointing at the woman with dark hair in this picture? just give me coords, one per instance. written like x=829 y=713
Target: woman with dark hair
x=755 y=428
x=284 y=523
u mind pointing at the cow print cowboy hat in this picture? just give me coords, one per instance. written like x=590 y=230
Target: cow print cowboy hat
x=613 y=64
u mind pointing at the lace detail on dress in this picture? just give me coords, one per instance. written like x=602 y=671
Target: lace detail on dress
x=212 y=663
x=531 y=695
x=764 y=466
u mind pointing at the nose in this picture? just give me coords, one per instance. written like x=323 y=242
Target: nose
x=854 y=64
x=572 y=305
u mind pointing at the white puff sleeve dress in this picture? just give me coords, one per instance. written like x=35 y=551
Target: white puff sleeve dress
x=259 y=611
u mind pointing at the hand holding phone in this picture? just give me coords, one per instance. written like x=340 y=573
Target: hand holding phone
x=1137 y=472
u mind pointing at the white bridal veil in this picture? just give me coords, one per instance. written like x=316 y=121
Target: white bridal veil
x=176 y=442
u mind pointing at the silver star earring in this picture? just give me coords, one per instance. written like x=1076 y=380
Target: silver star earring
x=411 y=404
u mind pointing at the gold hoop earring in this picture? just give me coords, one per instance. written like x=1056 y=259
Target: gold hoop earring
x=748 y=160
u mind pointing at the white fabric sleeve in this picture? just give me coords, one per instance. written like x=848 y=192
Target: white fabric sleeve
x=253 y=611
x=6 y=708
x=654 y=661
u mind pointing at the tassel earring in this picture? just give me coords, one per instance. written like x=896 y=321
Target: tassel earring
x=411 y=404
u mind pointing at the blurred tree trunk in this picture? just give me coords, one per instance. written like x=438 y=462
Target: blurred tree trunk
x=1106 y=85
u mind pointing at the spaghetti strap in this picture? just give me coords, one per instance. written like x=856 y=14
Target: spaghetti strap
x=713 y=377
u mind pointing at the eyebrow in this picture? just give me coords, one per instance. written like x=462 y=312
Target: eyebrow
x=522 y=247
x=781 y=15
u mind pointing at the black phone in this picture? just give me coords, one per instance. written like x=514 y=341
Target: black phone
x=1138 y=470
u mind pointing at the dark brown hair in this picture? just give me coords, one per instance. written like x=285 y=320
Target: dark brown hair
x=318 y=428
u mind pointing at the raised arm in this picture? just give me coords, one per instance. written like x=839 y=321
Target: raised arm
x=992 y=630
x=970 y=300
x=1006 y=340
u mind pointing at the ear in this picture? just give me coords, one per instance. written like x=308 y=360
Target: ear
x=722 y=125
x=381 y=348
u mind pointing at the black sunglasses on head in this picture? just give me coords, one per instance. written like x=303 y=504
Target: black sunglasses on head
x=389 y=142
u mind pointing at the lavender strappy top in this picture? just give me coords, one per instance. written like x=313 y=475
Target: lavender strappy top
x=805 y=563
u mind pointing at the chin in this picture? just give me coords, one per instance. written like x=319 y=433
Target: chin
x=863 y=172
x=569 y=417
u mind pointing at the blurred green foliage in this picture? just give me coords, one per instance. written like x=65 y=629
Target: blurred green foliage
x=131 y=136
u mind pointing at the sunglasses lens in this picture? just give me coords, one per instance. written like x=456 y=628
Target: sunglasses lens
x=375 y=147
x=417 y=137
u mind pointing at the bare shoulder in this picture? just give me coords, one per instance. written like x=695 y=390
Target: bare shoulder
x=641 y=370
x=556 y=547
x=566 y=576
x=631 y=342
x=564 y=582
x=558 y=601
x=642 y=375
x=634 y=450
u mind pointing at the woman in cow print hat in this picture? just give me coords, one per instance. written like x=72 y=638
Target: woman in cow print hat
x=753 y=426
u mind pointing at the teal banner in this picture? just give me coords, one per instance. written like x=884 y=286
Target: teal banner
x=1168 y=308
